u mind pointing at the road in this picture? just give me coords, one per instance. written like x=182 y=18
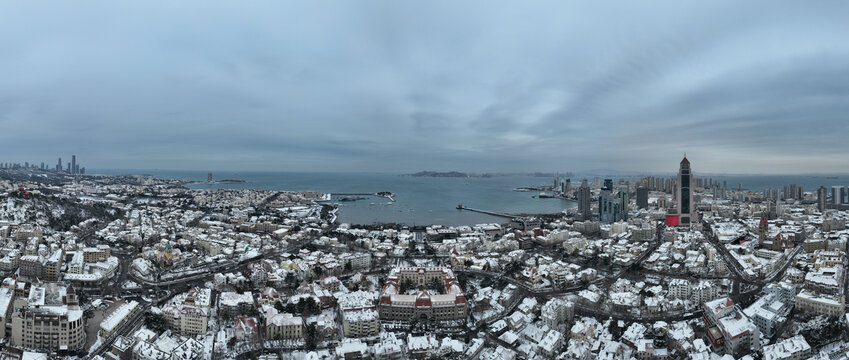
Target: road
x=738 y=273
x=177 y=284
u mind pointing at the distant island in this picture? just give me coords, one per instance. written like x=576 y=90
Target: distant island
x=451 y=174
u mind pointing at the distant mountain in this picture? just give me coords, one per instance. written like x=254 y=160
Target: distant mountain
x=451 y=174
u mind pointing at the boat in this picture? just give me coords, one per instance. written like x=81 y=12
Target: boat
x=459 y=206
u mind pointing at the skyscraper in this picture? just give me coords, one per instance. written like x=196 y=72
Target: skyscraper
x=608 y=206
x=624 y=200
x=836 y=195
x=59 y=165
x=584 y=200
x=642 y=198
x=73 y=164
x=822 y=193
x=684 y=196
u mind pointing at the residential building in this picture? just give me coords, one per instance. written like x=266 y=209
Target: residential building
x=117 y=318
x=820 y=304
x=729 y=330
x=233 y=304
x=31 y=267
x=359 y=314
x=557 y=311
x=283 y=326
x=794 y=348
x=679 y=288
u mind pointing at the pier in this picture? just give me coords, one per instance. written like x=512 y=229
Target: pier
x=504 y=215
x=385 y=194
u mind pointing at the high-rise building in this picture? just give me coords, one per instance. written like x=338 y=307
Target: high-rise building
x=837 y=195
x=608 y=206
x=59 y=165
x=584 y=200
x=624 y=200
x=684 y=195
x=822 y=193
x=73 y=164
x=793 y=192
x=642 y=197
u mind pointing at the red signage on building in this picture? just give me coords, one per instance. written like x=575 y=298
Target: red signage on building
x=672 y=220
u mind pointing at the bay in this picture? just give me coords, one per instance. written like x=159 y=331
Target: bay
x=418 y=200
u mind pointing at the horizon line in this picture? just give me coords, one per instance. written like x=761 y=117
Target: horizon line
x=617 y=172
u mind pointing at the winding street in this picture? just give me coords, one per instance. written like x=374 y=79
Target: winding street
x=738 y=273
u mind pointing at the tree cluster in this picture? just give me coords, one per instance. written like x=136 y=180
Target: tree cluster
x=305 y=307
x=155 y=322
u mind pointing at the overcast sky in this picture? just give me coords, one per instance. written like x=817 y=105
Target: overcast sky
x=741 y=87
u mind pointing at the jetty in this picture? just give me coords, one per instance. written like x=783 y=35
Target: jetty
x=385 y=194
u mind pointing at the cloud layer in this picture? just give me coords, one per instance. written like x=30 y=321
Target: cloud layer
x=402 y=86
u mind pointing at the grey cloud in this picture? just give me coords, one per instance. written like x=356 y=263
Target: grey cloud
x=405 y=86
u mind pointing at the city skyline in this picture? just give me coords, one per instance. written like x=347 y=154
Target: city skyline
x=758 y=88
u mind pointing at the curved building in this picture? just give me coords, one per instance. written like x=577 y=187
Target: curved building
x=50 y=321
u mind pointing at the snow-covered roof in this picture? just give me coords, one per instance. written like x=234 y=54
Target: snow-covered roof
x=786 y=349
